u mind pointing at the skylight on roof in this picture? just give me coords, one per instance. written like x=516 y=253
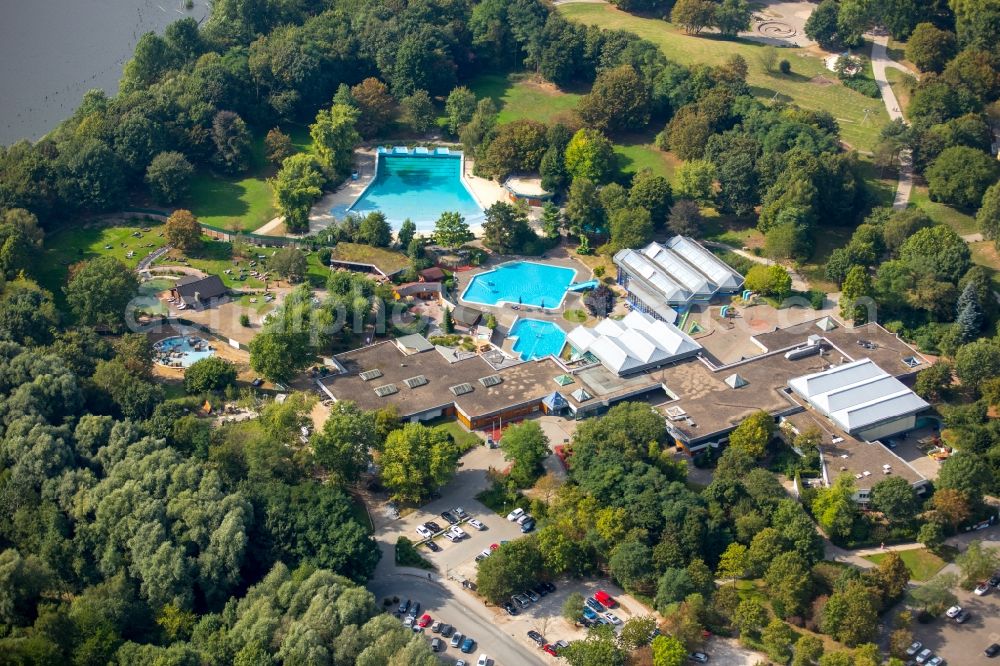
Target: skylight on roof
x=911 y=361
x=385 y=390
x=491 y=380
x=369 y=375
x=414 y=382
x=461 y=389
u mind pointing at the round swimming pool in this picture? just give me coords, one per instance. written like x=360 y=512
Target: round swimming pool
x=182 y=351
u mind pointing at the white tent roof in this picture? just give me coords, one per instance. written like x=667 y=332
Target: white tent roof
x=856 y=395
x=633 y=342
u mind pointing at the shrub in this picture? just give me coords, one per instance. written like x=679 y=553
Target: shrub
x=785 y=67
x=863 y=85
x=245 y=320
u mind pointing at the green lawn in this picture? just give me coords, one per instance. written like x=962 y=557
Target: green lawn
x=985 y=254
x=637 y=152
x=522 y=96
x=214 y=257
x=939 y=212
x=828 y=94
x=465 y=439
x=72 y=244
x=389 y=261
x=923 y=564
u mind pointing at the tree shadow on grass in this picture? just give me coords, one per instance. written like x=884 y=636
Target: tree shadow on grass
x=767 y=93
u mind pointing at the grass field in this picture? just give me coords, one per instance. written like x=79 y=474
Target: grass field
x=847 y=105
x=923 y=564
x=214 y=258
x=637 y=152
x=72 y=244
x=984 y=253
x=956 y=219
x=523 y=96
x=388 y=261
x=902 y=87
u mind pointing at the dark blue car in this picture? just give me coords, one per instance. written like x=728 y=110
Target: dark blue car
x=468 y=645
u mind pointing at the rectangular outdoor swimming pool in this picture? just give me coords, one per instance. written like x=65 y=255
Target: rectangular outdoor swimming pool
x=419 y=187
x=537 y=338
x=521 y=282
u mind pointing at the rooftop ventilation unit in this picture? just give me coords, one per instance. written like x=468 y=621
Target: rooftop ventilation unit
x=369 y=375
x=414 y=382
x=491 y=380
x=801 y=352
x=461 y=389
x=676 y=413
x=386 y=390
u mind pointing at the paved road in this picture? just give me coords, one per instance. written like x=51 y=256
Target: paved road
x=468 y=616
x=881 y=60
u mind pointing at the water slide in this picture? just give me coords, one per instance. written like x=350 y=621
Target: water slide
x=582 y=286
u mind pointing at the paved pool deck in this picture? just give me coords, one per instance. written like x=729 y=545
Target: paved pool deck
x=485 y=192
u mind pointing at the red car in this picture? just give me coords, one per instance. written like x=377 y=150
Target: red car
x=605 y=598
x=551 y=650
x=494 y=546
x=424 y=620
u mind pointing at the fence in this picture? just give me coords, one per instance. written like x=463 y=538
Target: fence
x=218 y=233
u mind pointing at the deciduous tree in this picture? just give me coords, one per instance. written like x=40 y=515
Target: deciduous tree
x=182 y=230
x=168 y=176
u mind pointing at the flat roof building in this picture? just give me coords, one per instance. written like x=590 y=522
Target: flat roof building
x=673 y=275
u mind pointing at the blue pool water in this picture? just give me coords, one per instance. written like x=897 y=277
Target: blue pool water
x=185 y=350
x=521 y=282
x=418 y=187
x=537 y=338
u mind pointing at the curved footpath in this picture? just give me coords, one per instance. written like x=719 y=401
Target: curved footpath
x=880 y=61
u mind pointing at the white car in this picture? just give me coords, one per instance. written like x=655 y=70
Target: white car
x=451 y=536
x=459 y=511
x=924 y=655
x=477 y=524
x=523 y=518
x=515 y=514
x=408 y=621
x=458 y=531
x=483 y=660
x=982 y=589
x=953 y=611
x=614 y=619
x=424 y=532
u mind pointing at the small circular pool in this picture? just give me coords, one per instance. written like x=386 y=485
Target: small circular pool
x=536 y=338
x=182 y=351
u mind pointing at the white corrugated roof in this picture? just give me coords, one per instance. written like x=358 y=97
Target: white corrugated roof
x=856 y=395
x=716 y=269
x=635 y=341
x=680 y=270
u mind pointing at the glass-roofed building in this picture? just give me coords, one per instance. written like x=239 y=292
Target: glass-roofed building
x=663 y=278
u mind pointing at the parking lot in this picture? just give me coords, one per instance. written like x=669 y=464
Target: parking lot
x=961 y=644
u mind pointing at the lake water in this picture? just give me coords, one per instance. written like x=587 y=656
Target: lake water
x=53 y=51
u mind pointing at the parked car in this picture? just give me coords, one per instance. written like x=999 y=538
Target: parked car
x=589 y=613
x=484 y=554
x=408 y=621
x=456 y=639
x=915 y=647
x=605 y=599
x=432 y=526
x=404 y=606
x=460 y=512
x=588 y=623
x=414 y=609
x=924 y=655
x=458 y=531
x=539 y=590
x=477 y=524
x=510 y=608
x=614 y=619
x=461 y=662
x=515 y=514
x=451 y=536
x=424 y=620
x=446 y=630
x=450 y=517
x=595 y=604
x=992 y=650
x=549 y=587
x=483 y=660
x=257 y=382
x=436 y=627
x=433 y=546
x=935 y=661
x=531 y=595
x=494 y=546
x=527 y=526
x=436 y=644
x=424 y=532
x=523 y=518
x=468 y=645
x=982 y=589
x=550 y=649
x=559 y=645
x=963 y=617
x=953 y=611
x=699 y=657
x=521 y=600
x=537 y=637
